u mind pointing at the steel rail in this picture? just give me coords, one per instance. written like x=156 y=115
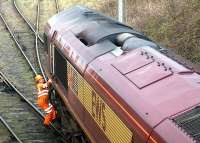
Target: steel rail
x=36 y=40
x=9 y=129
x=27 y=21
x=17 y=43
x=20 y=94
x=35 y=31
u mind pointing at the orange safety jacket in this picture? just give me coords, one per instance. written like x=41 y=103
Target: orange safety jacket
x=43 y=98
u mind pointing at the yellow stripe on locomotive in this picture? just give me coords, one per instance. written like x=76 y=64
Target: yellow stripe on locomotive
x=115 y=130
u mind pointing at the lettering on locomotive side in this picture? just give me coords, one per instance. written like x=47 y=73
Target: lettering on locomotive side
x=98 y=110
x=107 y=120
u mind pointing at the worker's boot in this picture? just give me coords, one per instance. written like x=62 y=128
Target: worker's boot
x=47 y=119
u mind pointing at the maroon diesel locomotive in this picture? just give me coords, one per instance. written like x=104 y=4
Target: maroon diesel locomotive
x=118 y=84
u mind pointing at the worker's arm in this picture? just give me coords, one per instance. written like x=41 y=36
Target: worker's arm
x=47 y=84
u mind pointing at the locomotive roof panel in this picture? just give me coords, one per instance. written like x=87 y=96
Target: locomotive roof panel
x=86 y=24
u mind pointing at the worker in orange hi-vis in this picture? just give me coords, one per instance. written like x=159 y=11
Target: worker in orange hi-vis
x=43 y=99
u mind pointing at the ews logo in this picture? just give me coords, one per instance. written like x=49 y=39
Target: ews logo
x=98 y=110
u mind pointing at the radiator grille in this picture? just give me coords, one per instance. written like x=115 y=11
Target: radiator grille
x=190 y=123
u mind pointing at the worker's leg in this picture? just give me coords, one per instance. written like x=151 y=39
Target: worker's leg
x=50 y=114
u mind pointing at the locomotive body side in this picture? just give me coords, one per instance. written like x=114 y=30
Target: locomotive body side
x=118 y=94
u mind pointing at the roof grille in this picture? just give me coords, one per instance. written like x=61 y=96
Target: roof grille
x=190 y=122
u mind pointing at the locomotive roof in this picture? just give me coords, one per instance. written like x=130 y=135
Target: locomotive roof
x=88 y=25
x=154 y=85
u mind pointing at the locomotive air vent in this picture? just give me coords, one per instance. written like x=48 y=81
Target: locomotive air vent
x=190 y=122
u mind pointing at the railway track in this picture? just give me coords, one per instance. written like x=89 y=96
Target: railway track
x=39 y=44
x=32 y=24
x=46 y=10
x=32 y=54
x=21 y=32
x=18 y=72
x=6 y=133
